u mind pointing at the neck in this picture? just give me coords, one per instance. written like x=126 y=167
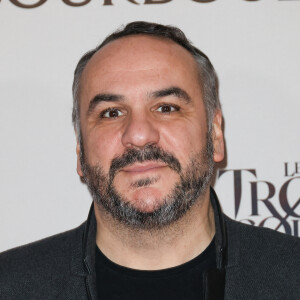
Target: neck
x=157 y=249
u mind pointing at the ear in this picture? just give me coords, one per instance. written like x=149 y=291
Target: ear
x=79 y=170
x=218 y=138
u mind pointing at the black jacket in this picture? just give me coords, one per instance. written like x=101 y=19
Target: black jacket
x=253 y=263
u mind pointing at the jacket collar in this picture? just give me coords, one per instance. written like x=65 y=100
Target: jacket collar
x=221 y=232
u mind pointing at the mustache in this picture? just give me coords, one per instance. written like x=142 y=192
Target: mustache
x=150 y=152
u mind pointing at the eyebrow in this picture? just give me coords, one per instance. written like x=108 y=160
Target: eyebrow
x=103 y=98
x=172 y=91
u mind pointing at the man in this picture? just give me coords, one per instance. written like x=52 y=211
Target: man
x=149 y=129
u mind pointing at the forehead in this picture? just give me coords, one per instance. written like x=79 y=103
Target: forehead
x=139 y=58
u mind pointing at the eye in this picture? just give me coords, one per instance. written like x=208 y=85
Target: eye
x=168 y=108
x=111 y=113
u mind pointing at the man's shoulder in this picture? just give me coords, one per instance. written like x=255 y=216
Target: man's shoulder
x=55 y=245
x=262 y=240
x=262 y=249
x=262 y=263
x=48 y=258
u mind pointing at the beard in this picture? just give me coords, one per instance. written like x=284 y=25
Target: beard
x=193 y=183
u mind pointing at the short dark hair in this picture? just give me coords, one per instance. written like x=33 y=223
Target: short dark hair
x=207 y=75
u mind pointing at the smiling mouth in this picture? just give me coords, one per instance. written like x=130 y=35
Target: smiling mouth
x=143 y=167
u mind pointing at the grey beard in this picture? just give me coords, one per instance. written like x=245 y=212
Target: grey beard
x=193 y=183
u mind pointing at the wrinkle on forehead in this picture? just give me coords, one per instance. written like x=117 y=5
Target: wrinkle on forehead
x=138 y=61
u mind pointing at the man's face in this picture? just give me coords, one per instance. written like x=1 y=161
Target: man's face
x=145 y=146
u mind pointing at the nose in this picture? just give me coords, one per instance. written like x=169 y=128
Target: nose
x=139 y=132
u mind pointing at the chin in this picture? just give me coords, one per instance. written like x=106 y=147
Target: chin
x=146 y=200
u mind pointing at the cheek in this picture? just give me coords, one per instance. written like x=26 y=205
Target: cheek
x=102 y=147
x=184 y=140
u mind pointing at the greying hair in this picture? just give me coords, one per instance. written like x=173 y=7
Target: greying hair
x=207 y=76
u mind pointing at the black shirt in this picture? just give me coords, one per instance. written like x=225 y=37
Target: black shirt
x=180 y=282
